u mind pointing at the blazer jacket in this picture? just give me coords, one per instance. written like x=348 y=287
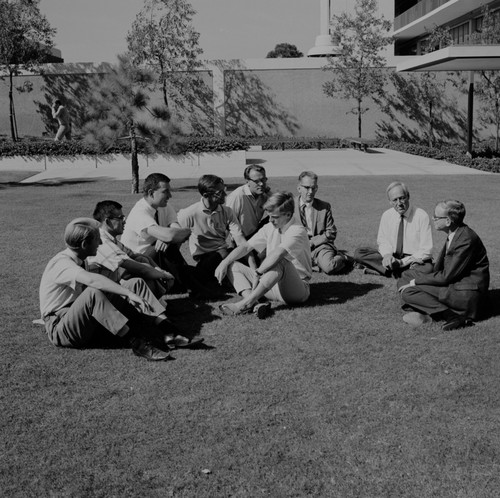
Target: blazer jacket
x=323 y=230
x=462 y=271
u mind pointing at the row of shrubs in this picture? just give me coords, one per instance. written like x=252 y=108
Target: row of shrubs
x=484 y=158
x=37 y=147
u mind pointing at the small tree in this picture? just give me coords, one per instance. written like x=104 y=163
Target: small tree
x=163 y=37
x=284 y=50
x=488 y=91
x=118 y=109
x=359 y=66
x=25 y=41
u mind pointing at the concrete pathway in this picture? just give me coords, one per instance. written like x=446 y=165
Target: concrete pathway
x=337 y=162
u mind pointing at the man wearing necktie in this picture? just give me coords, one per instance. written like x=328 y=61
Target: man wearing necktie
x=316 y=216
x=457 y=287
x=404 y=238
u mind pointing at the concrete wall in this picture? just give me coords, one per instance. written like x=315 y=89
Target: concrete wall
x=257 y=97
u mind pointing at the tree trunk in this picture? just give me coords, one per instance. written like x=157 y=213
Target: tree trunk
x=164 y=91
x=135 y=161
x=497 y=114
x=13 y=131
x=359 y=118
x=431 y=137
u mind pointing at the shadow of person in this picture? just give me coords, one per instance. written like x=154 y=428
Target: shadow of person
x=491 y=308
x=338 y=292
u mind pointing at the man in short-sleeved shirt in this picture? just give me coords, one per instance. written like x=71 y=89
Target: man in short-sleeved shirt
x=285 y=272
x=211 y=223
x=247 y=201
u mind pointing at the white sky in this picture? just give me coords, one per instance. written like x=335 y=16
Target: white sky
x=95 y=30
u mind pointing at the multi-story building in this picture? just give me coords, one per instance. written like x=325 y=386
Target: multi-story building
x=464 y=48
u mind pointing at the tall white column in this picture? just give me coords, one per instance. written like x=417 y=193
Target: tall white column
x=324 y=46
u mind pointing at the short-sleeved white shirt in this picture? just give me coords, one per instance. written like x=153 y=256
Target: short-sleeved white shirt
x=210 y=229
x=58 y=286
x=293 y=238
x=140 y=218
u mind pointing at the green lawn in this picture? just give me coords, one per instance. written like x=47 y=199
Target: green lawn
x=338 y=398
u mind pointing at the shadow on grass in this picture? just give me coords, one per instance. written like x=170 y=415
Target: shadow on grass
x=54 y=182
x=338 y=292
x=491 y=308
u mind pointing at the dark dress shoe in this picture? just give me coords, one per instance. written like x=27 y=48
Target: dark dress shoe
x=458 y=322
x=144 y=349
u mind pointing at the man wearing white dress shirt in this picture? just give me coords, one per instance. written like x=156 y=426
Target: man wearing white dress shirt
x=404 y=238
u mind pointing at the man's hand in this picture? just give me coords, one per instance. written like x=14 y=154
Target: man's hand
x=403 y=287
x=221 y=272
x=255 y=280
x=161 y=246
x=387 y=261
x=141 y=304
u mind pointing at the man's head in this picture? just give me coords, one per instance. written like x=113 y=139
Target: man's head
x=110 y=215
x=308 y=186
x=156 y=190
x=82 y=236
x=255 y=176
x=399 y=197
x=448 y=215
x=212 y=189
x=280 y=207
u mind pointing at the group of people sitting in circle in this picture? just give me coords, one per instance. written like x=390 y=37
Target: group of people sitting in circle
x=113 y=276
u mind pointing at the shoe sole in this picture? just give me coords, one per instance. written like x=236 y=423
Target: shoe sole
x=262 y=310
x=149 y=358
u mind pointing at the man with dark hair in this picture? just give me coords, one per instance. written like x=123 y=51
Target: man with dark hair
x=404 y=238
x=285 y=272
x=316 y=216
x=247 y=201
x=210 y=222
x=79 y=307
x=457 y=286
x=117 y=261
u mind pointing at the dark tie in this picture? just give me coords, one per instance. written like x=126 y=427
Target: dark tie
x=399 y=244
x=303 y=215
x=157 y=218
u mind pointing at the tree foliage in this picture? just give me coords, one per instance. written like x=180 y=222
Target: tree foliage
x=26 y=40
x=358 y=69
x=163 y=37
x=118 y=110
x=284 y=50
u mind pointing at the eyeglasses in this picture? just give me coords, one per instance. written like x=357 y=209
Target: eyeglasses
x=218 y=194
x=121 y=218
x=435 y=218
x=260 y=181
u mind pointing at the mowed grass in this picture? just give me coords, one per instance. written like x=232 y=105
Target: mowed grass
x=336 y=398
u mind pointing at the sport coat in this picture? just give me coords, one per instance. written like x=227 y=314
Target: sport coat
x=462 y=271
x=323 y=230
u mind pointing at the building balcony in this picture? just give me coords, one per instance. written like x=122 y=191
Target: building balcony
x=420 y=18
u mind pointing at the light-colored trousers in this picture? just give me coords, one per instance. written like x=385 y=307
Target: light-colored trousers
x=283 y=282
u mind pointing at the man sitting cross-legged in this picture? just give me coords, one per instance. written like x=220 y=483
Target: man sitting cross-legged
x=316 y=216
x=404 y=238
x=116 y=261
x=79 y=307
x=457 y=286
x=211 y=223
x=285 y=272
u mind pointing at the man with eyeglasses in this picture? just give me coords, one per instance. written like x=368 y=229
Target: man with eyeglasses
x=116 y=261
x=316 y=216
x=210 y=223
x=457 y=287
x=247 y=201
x=404 y=238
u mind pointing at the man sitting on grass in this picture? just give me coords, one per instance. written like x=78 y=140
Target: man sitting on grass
x=118 y=262
x=283 y=275
x=80 y=307
x=210 y=223
x=404 y=238
x=458 y=284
